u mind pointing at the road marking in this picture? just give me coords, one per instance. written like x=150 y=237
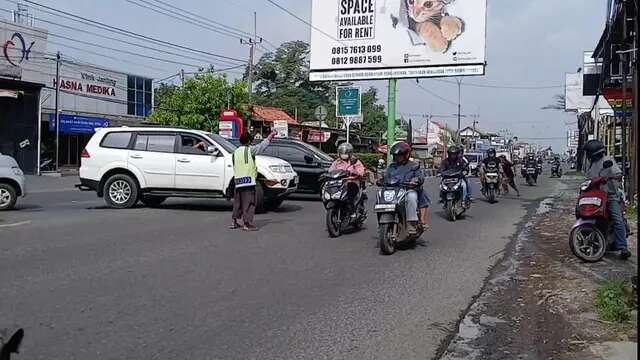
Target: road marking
x=15 y=224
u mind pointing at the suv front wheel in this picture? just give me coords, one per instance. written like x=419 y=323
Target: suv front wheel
x=121 y=191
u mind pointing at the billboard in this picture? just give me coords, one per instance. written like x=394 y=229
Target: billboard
x=574 y=99
x=23 y=55
x=379 y=39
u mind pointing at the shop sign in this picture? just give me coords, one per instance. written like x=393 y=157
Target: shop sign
x=75 y=124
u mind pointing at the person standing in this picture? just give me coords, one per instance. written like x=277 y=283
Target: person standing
x=245 y=175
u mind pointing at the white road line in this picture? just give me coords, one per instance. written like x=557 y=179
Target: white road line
x=15 y=224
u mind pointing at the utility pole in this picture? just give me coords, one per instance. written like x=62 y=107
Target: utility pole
x=459 y=81
x=475 y=122
x=623 y=126
x=252 y=42
x=182 y=77
x=57 y=115
x=391 y=118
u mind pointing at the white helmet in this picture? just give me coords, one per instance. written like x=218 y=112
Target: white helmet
x=345 y=151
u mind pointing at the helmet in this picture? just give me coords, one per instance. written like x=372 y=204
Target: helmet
x=491 y=153
x=345 y=151
x=401 y=148
x=594 y=149
x=453 y=152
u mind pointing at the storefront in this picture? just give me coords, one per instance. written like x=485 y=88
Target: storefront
x=89 y=97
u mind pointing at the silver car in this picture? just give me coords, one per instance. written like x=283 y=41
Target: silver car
x=12 y=182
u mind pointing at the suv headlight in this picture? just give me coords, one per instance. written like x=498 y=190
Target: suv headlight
x=17 y=170
x=280 y=169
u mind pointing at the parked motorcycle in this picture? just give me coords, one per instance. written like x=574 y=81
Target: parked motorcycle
x=392 y=218
x=342 y=199
x=530 y=173
x=556 y=171
x=492 y=181
x=591 y=236
x=452 y=195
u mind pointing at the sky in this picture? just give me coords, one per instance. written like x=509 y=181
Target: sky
x=529 y=43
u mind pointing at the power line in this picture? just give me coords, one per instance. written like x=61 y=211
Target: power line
x=184 y=55
x=502 y=86
x=104 y=26
x=436 y=95
x=183 y=18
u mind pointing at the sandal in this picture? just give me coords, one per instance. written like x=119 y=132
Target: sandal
x=234 y=226
x=249 y=228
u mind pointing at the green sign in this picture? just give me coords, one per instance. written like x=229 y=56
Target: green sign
x=348 y=101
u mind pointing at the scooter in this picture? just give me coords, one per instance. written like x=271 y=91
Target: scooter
x=392 y=218
x=452 y=195
x=530 y=173
x=591 y=236
x=492 y=182
x=342 y=201
x=556 y=171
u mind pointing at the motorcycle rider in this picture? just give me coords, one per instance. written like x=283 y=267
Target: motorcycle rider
x=347 y=162
x=454 y=162
x=491 y=158
x=409 y=172
x=599 y=167
x=507 y=169
x=530 y=162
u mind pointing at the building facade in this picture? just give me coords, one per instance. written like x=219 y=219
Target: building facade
x=34 y=83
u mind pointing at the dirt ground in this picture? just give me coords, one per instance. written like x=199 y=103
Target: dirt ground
x=538 y=304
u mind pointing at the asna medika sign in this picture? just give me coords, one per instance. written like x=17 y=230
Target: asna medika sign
x=381 y=39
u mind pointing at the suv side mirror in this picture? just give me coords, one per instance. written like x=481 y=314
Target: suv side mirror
x=213 y=151
x=308 y=159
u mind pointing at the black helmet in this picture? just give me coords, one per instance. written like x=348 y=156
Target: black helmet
x=491 y=153
x=594 y=149
x=453 y=152
x=401 y=148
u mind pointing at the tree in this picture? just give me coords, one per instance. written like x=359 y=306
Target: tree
x=198 y=102
x=282 y=80
x=559 y=103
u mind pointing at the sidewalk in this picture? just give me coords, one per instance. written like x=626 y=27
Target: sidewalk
x=40 y=184
x=539 y=301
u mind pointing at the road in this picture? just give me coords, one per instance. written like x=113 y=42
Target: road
x=87 y=282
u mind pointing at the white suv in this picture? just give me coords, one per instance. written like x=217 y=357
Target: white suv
x=125 y=165
x=11 y=182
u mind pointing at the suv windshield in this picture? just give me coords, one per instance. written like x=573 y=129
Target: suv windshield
x=224 y=143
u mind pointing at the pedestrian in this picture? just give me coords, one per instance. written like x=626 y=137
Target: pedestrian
x=245 y=174
x=507 y=168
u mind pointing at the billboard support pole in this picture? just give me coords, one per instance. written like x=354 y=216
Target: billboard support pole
x=57 y=115
x=391 y=118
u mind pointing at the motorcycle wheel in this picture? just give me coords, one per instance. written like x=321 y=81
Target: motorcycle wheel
x=451 y=210
x=333 y=222
x=588 y=243
x=530 y=181
x=385 y=235
x=492 y=195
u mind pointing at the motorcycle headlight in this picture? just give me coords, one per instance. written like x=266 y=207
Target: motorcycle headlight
x=585 y=185
x=337 y=195
x=456 y=186
x=389 y=195
x=326 y=195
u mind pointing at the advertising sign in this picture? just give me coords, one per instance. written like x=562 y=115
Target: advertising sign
x=23 y=48
x=573 y=138
x=379 y=39
x=74 y=124
x=282 y=127
x=318 y=136
x=574 y=98
x=348 y=101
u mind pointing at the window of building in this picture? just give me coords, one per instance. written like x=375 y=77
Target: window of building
x=116 y=140
x=139 y=96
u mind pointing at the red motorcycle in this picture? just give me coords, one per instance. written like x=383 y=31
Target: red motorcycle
x=591 y=236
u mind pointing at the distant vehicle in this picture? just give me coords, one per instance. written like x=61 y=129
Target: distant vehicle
x=127 y=165
x=12 y=182
x=309 y=162
x=474 y=162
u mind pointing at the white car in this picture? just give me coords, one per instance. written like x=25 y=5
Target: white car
x=12 y=182
x=125 y=165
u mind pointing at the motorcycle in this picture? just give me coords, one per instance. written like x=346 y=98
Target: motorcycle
x=452 y=195
x=530 y=173
x=343 y=207
x=539 y=169
x=492 y=182
x=591 y=236
x=556 y=171
x=392 y=218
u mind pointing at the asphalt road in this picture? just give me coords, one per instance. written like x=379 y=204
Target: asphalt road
x=87 y=282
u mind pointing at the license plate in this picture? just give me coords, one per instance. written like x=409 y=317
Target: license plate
x=590 y=201
x=385 y=207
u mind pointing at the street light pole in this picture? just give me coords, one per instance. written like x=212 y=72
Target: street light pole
x=459 y=81
x=57 y=114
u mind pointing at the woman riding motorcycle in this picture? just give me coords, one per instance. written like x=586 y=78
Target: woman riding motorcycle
x=406 y=171
x=347 y=162
x=454 y=162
